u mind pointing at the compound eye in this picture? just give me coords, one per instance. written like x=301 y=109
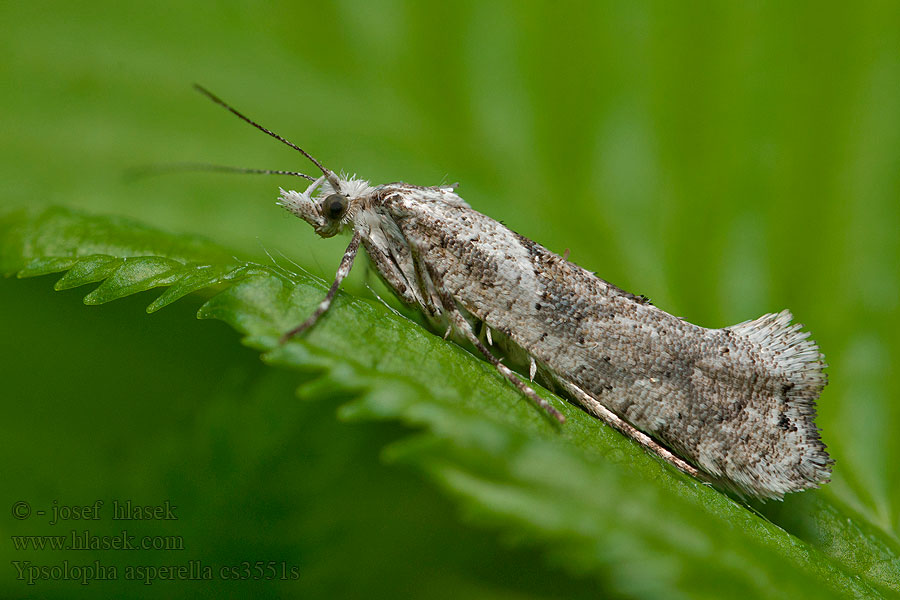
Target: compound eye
x=335 y=206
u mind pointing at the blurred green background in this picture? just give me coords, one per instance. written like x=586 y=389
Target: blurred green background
x=725 y=160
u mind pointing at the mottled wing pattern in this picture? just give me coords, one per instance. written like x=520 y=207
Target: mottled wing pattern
x=737 y=402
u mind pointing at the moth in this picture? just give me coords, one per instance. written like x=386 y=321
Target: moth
x=733 y=405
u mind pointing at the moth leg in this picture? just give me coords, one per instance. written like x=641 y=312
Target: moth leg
x=392 y=275
x=484 y=333
x=426 y=279
x=613 y=420
x=343 y=270
x=463 y=326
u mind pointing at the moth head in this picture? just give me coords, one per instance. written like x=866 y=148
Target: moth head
x=327 y=206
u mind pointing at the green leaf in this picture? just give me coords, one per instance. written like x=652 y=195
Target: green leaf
x=593 y=502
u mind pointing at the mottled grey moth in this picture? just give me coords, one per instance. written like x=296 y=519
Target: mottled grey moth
x=734 y=405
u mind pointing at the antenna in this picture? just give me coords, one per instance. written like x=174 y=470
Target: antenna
x=332 y=178
x=150 y=171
